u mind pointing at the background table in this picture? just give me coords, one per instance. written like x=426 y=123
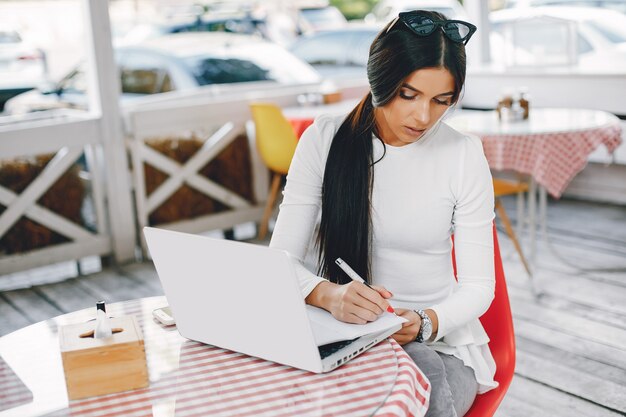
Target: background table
x=551 y=146
x=192 y=379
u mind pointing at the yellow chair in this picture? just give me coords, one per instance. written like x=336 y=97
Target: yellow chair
x=276 y=142
x=502 y=188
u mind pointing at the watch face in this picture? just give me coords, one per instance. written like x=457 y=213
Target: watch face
x=427 y=331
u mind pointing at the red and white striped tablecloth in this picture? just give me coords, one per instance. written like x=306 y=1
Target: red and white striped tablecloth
x=192 y=379
x=13 y=392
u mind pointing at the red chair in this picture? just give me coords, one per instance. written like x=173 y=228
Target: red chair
x=498 y=323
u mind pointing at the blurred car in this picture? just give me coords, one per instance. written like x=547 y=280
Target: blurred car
x=340 y=53
x=22 y=66
x=177 y=62
x=588 y=38
x=386 y=10
x=314 y=19
x=213 y=22
x=617 y=5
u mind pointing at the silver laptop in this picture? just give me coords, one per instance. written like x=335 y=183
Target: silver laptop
x=245 y=298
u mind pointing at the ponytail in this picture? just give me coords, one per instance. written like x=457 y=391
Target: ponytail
x=346 y=227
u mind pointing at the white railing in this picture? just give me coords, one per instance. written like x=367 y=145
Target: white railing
x=67 y=137
x=227 y=116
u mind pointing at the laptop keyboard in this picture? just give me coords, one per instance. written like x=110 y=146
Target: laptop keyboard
x=329 y=349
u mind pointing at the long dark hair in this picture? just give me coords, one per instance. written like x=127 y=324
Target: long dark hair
x=346 y=227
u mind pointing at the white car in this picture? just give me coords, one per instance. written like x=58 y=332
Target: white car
x=177 y=62
x=22 y=66
x=550 y=36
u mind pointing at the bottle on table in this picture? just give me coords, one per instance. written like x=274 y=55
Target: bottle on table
x=505 y=104
x=524 y=101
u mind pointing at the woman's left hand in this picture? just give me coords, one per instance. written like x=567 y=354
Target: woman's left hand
x=409 y=329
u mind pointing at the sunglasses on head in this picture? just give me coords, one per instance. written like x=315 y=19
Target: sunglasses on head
x=455 y=30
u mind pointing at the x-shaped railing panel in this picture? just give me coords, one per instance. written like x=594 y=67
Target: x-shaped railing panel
x=25 y=204
x=188 y=172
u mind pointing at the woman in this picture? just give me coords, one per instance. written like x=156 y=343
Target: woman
x=393 y=183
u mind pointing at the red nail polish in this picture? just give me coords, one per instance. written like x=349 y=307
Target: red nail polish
x=390 y=309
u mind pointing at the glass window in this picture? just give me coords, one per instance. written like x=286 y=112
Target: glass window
x=583 y=46
x=613 y=30
x=145 y=81
x=143 y=73
x=228 y=70
x=184 y=28
x=256 y=61
x=234 y=25
x=324 y=49
x=217 y=26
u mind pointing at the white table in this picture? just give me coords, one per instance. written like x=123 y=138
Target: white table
x=189 y=378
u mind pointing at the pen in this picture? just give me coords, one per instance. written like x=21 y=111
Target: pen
x=354 y=276
x=350 y=272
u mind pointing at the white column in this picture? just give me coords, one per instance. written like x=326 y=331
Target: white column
x=478 y=11
x=104 y=91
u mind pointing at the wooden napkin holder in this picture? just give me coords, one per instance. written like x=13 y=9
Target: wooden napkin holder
x=103 y=366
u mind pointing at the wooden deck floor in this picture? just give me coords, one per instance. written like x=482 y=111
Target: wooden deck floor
x=571 y=344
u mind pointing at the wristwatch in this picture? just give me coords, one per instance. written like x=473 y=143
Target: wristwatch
x=426 y=329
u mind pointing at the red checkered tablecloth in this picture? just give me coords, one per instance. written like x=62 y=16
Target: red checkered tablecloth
x=188 y=378
x=552 y=146
x=553 y=159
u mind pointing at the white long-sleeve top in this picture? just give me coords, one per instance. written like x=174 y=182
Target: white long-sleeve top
x=422 y=193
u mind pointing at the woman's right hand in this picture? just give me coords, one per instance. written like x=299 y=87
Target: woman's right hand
x=356 y=302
